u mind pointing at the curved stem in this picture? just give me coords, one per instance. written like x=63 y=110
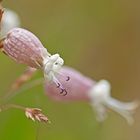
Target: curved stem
x=27 y=86
x=8 y=106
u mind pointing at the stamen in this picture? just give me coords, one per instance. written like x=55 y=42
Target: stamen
x=61 y=74
x=58 y=85
x=68 y=78
x=63 y=91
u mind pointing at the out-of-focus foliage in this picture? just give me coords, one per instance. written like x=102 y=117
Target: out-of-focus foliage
x=99 y=38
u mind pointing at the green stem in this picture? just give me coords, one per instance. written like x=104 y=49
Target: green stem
x=27 y=86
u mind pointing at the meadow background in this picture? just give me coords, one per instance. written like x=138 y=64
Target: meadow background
x=99 y=38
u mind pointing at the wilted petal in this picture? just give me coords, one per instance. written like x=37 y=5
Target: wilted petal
x=101 y=100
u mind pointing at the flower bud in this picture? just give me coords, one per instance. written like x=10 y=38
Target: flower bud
x=77 y=86
x=24 y=47
x=98 y=94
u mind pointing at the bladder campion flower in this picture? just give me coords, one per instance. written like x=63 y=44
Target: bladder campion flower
x=24 y=47
x=82 y=88
x=98 y=94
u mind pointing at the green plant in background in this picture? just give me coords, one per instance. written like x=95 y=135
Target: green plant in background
x=24 y=47
x=99 y=93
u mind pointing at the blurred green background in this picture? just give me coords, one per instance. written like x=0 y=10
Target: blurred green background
x=99 y=38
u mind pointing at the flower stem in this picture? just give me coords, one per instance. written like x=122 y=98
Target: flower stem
x=8 y=106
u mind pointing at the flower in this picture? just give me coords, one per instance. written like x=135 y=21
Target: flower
x=77 y=86
x=98 y=94
x=24 y=47
x=10 y=19
x=101 y=100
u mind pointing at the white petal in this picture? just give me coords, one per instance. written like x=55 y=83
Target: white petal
x=101 y=99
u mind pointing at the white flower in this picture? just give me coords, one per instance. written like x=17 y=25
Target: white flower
x=10 y=19
x=101 y=100
x=52 y=66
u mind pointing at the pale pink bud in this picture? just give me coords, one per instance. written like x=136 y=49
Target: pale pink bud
x=24 y=47
x=81 y=88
